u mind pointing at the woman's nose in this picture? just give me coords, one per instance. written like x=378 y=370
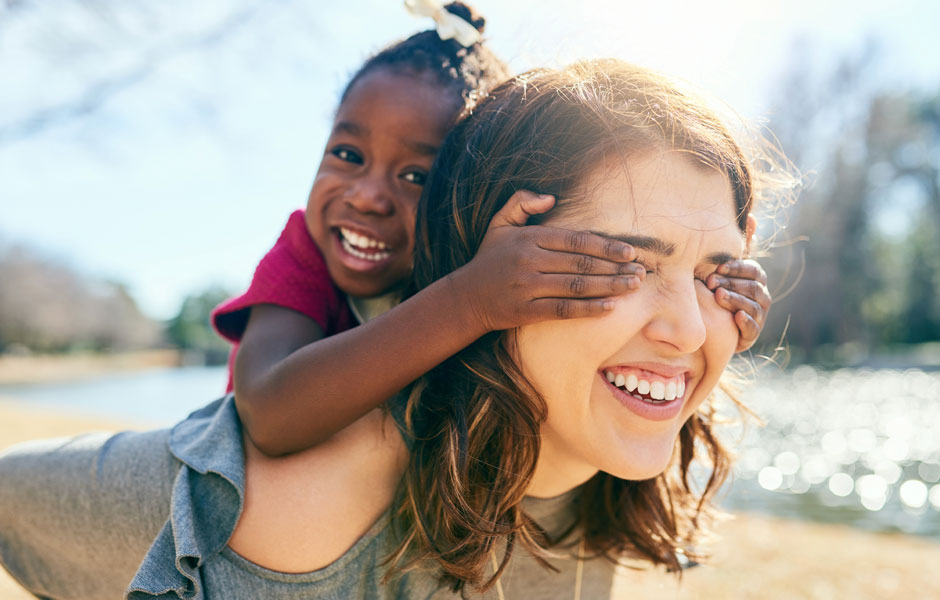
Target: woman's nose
x=370 y=195
x=679 y=321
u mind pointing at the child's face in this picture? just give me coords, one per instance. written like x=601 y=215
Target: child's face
x=361 y=210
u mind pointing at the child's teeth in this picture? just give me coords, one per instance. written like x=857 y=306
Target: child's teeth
x=619 y=380
x=643 y=387
x=657 y=390
x=632 y=382
x=610 y=376
x=361 y=241
x=373 y=256
x=671 y=390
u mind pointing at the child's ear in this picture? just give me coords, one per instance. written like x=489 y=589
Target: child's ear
x=749 y=231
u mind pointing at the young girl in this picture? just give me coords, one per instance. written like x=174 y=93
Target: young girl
x=300 y=369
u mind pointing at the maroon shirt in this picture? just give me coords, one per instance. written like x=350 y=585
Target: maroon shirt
x=292 y=274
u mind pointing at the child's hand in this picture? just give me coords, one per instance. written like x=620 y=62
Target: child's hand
x=525 y=274
x=741 y=287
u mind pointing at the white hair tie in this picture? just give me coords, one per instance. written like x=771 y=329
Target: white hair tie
x=449 y=25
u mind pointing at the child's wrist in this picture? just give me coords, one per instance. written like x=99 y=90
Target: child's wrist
x=462 y=306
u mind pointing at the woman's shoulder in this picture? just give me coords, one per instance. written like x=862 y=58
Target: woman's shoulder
x=304 y=511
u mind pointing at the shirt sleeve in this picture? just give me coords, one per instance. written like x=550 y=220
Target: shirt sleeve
x=292 y=274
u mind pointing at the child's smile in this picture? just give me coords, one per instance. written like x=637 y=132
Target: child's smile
x=361 y=250
x=361 y=210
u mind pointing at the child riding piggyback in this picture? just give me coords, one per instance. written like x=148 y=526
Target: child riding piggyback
x=320 y=335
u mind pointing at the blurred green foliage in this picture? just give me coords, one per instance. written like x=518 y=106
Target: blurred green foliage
x=190 y=330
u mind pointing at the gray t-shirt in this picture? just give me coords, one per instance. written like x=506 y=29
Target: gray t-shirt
x=149 y=515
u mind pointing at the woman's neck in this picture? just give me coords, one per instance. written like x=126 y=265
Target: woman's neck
x=556 y=473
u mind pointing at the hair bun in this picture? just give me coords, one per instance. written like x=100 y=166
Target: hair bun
x=466 y=12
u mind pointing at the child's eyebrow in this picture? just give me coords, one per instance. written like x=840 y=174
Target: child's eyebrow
x=415 y=146
x=420 y=147
x=350 y=128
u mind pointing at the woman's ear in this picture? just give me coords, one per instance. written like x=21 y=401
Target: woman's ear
x=749 y=232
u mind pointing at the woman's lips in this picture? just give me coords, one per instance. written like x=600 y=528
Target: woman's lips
x=645 y=383
x=649 y=395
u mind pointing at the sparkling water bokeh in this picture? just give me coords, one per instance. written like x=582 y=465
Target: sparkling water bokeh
x=854 y=446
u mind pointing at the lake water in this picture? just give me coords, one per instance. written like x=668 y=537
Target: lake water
x=860 y=447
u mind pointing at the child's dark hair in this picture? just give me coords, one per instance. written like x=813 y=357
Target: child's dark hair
x=468 y=72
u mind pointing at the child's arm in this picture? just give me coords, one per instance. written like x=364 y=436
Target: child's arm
x=296 y=388
x=741 y=287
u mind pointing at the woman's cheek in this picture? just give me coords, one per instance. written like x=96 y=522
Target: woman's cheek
x=721 y=331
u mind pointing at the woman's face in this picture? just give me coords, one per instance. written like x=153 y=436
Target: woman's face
x=664 y=345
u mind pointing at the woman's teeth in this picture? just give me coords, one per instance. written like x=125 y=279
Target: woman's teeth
x=363 y=247
x=653 y=390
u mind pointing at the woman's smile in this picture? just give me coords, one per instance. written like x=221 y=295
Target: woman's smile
x=654 y=393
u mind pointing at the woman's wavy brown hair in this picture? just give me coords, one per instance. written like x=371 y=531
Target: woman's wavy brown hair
x=475 y=418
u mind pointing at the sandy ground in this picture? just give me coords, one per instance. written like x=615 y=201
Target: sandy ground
x=757 y=558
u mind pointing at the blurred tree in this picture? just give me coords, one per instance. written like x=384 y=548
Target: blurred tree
x=47 y=307
x=191 y=330
x=872 y=214
x=101 y=48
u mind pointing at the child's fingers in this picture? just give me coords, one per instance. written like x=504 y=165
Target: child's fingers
x=583 y=242
x=584 y=286
x=549 y=261
x=736 y=302
x=744 y=269
x=749 y=288
x=749 y=330
x=544 y=309
x=520 y=206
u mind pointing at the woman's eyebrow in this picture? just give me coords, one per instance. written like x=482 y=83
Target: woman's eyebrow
x=643 y=242
x=661 y=247
x=719 y=258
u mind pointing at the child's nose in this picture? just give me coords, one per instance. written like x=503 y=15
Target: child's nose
x=370 y=195
x=679 y=321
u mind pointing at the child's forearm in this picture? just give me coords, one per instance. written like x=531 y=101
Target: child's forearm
x=322 y=387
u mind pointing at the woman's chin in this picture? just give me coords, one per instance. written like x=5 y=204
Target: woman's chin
x=640 y=463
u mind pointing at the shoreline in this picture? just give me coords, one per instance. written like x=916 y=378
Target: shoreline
x=756 y=557
x=48 y=368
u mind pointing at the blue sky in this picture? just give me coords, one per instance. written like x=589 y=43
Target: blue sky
x=185 y=178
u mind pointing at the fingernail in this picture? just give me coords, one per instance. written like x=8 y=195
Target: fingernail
x=633 y=283
x=546 y=197
x=628 y=252
x=721 y=293
x=723 y=268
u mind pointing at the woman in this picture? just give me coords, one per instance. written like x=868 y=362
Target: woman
x=560 y=445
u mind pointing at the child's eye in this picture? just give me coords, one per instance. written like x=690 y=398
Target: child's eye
x=415 y=177
x=347 y=155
